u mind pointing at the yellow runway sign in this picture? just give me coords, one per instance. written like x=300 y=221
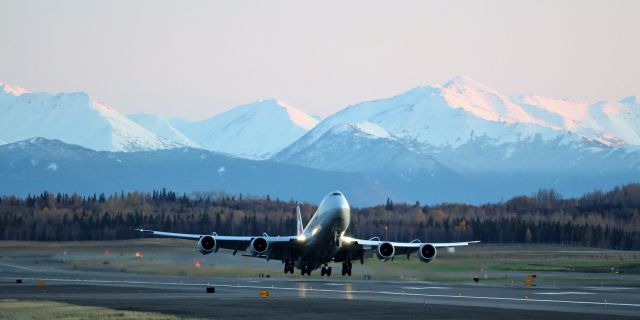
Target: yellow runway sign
x=264 y=294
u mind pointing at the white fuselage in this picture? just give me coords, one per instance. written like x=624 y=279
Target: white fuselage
x=322 y=233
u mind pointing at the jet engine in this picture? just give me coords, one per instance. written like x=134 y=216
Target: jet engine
x=385 y=251
x=259 y=246
x=427 y=252
x=207 y=244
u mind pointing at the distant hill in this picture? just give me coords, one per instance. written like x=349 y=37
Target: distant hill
x=38 y=164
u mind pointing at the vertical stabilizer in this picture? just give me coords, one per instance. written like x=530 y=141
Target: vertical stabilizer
x=300 y=226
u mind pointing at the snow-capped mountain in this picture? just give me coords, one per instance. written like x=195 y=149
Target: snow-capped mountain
x=255 y=131
x=469 y=129
x=425 y=116
x=74 y=118
x=463 y=110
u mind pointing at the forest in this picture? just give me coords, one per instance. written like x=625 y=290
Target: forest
x=599 y=219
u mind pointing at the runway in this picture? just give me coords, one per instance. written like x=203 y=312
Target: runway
x=314 y=298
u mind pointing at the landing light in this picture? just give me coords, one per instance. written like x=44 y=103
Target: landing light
x=315 y=230
x=347 y=239
x=302 y=238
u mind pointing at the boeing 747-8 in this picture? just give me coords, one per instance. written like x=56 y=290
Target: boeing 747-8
x=321 y=242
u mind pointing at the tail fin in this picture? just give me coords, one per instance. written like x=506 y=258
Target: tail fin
x=300 y=226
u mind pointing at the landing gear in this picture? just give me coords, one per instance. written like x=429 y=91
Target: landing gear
x=288 y=267
x=346 y=268
x=335 y=238
x=305 y=269
x=325 y=271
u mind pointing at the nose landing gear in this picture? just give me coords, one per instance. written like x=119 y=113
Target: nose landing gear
x=326 y=270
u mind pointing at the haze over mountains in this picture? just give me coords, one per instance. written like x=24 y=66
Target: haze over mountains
x=461 y=141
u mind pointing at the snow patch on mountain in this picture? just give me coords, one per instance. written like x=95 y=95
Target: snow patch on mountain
x=373 y=129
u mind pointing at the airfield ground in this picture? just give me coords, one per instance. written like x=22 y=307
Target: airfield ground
x=168 y=277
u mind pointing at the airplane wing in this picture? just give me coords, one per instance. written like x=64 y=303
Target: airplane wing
x=279 y=247
x=358 y=247
x=414 y=244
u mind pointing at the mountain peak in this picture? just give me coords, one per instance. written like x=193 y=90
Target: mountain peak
x=14 y=90
x=465 y=81
x=296 y=116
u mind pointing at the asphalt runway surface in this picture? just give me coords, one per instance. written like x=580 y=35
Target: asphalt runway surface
x=315 y=298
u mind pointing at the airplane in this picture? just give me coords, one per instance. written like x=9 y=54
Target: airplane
x=322 y=241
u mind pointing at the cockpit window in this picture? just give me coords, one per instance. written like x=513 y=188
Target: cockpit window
x=336 y=194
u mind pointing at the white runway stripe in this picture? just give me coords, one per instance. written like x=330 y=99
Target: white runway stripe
x=563 y=292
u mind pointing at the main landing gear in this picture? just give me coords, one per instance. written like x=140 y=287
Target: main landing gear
x=306 y=269
x=326 y=270
x=346 y=268
x=288 y=267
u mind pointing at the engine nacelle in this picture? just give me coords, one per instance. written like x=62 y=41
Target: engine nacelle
x=259 y=246
x=385 y=251
x=207 y=244
x=427 y=252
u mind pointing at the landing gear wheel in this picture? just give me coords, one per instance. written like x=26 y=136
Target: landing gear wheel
x=346 y=268
x=306 y=269
x=325 y=271
x=288 y=267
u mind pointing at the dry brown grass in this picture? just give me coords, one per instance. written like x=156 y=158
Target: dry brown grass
x=29 y=309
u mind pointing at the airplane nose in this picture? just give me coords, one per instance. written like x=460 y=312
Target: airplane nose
x=343 y=202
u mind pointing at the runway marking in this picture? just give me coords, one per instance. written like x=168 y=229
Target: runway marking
x=608 y=288
x=426 y=288
x=17 y=267
x=564 y=292
x=528 y=300
x=334 y=284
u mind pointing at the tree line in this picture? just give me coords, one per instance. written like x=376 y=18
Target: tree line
x=598 y=219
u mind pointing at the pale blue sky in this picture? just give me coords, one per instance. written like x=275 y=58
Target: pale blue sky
x=197 y=58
